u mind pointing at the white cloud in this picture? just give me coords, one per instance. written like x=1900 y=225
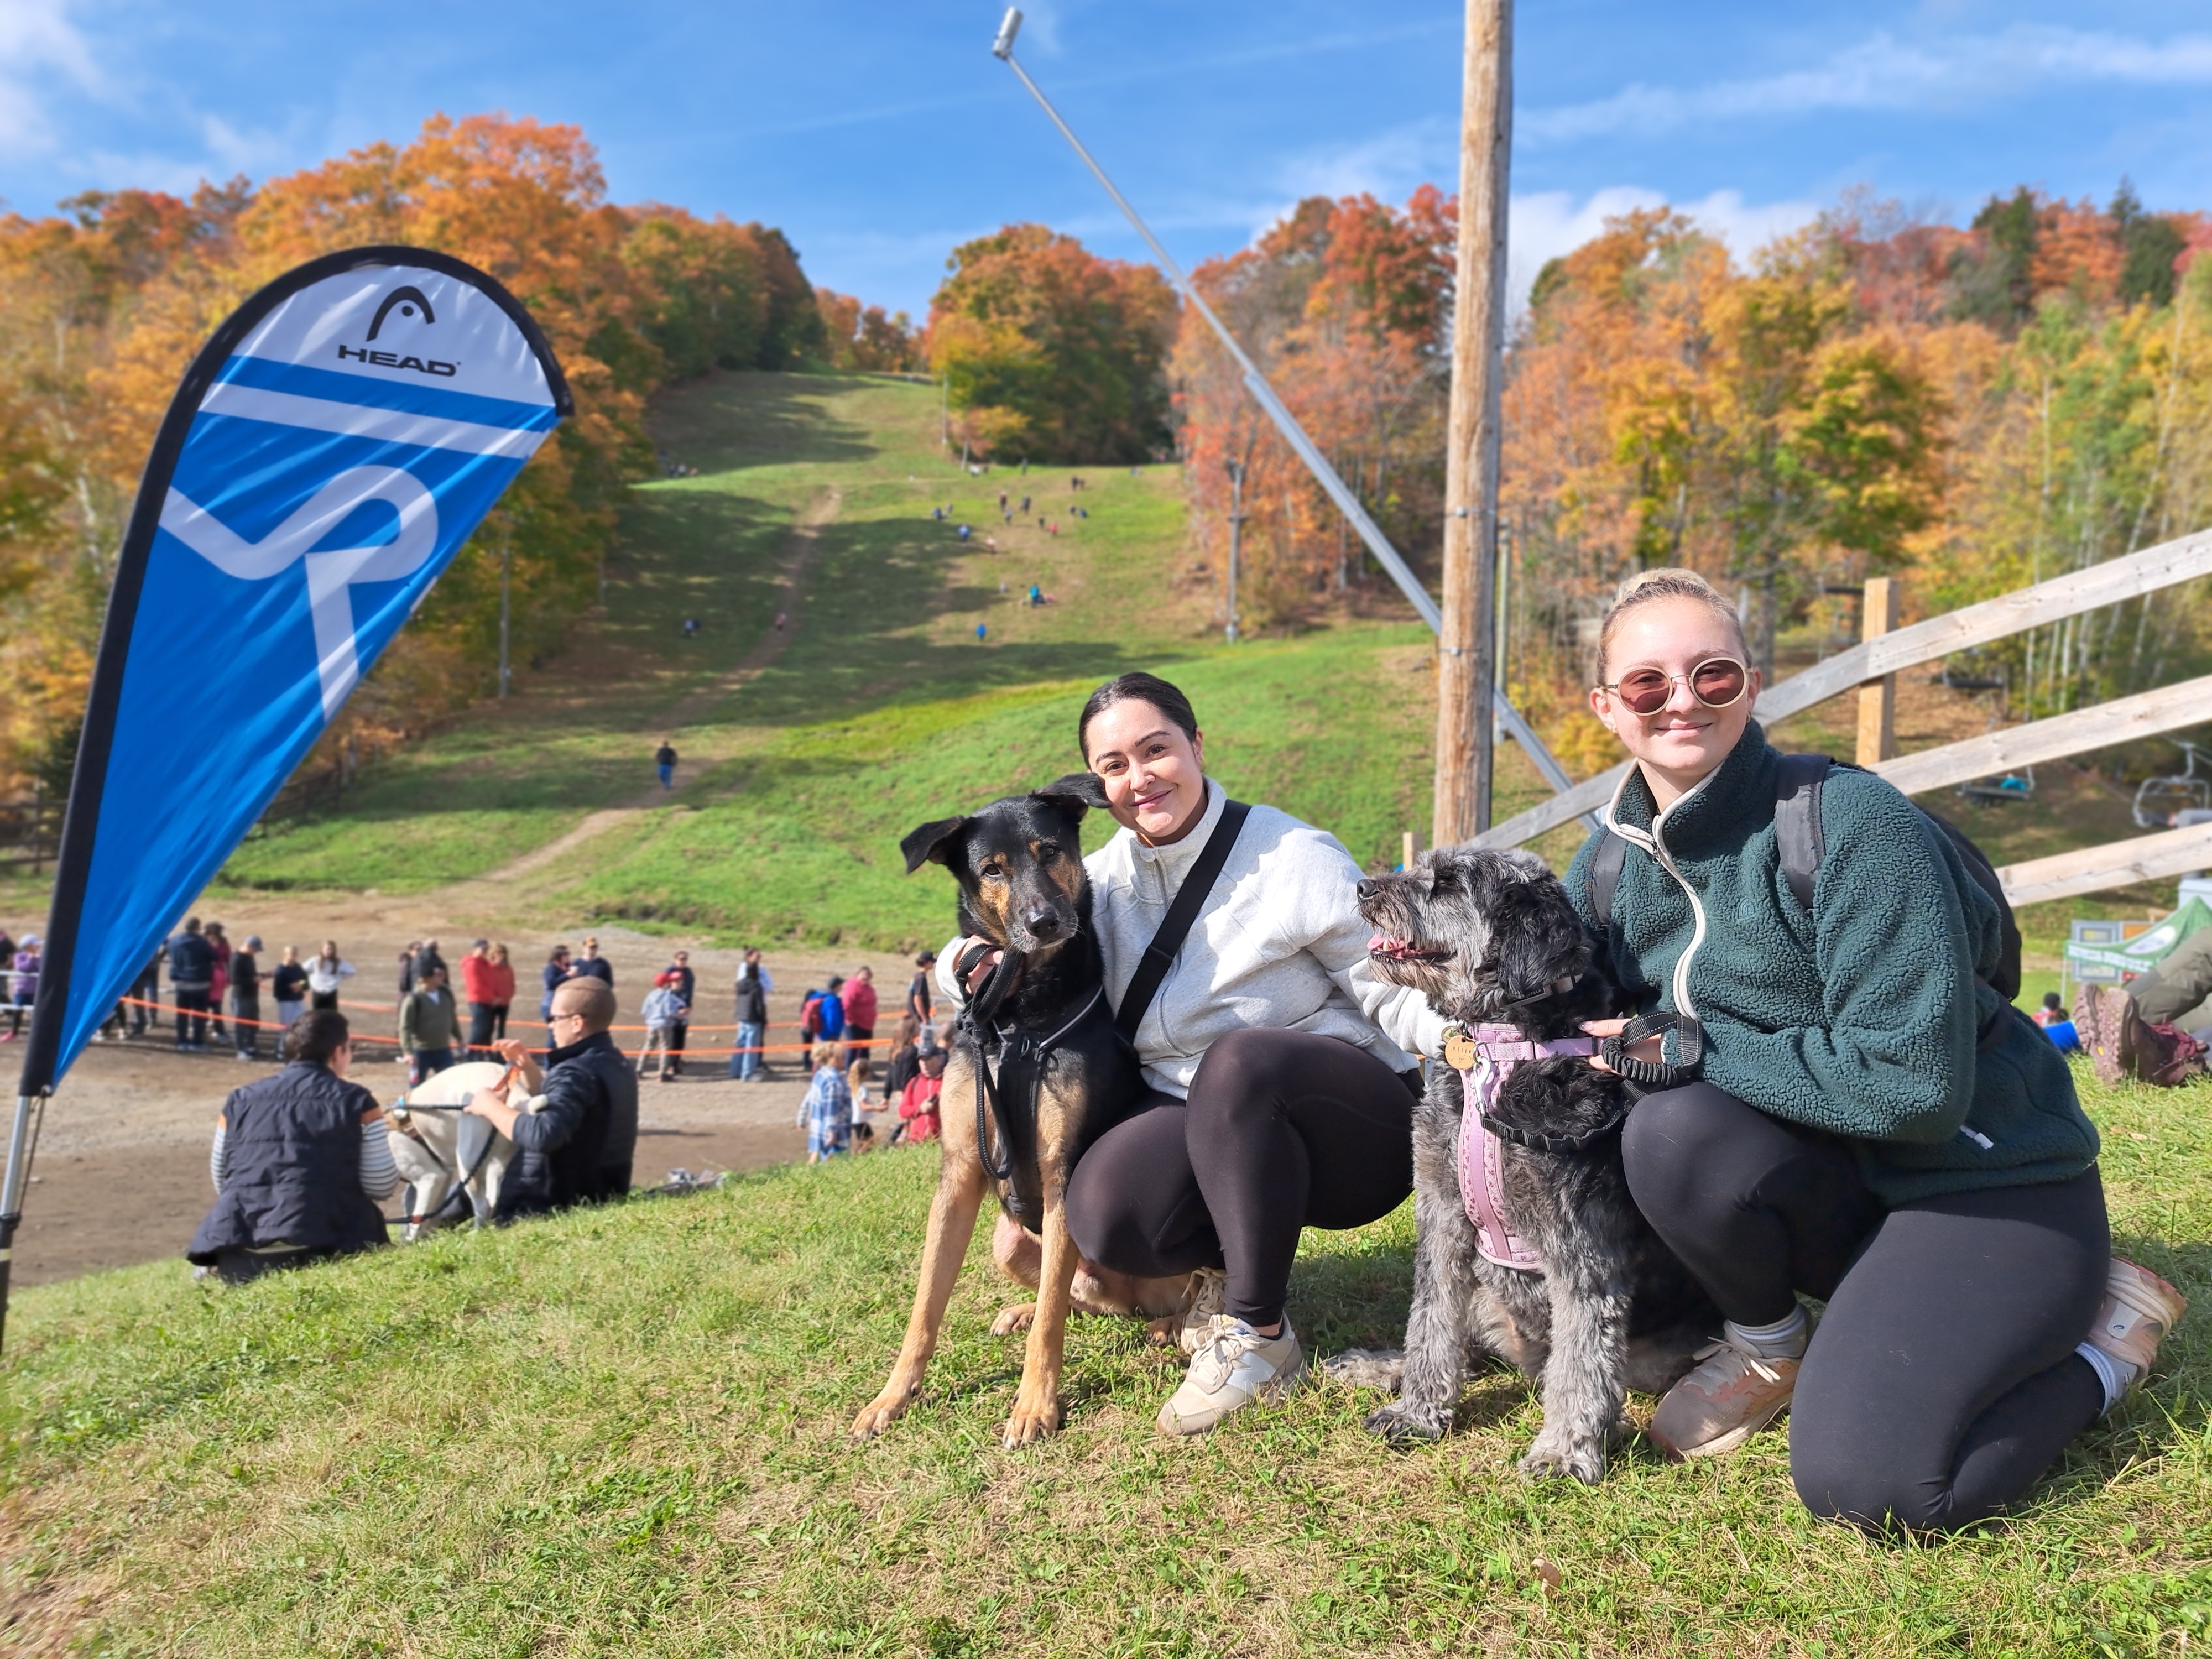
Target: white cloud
x=38 y=45
x=1548 y=223
x=1883 y=73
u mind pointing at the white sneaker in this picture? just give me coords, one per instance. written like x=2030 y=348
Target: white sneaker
x=1208 y=1296
x=1234 y=1367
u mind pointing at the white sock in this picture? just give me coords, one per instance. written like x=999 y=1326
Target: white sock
x=1784 y=1339
x=2116 y=1374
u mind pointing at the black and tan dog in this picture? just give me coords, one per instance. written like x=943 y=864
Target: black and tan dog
x=1035 y=1069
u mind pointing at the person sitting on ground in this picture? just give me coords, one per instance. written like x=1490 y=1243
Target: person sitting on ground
x=664 y=1010
x=826 y=1112
x=577 y=1147
x=2114 y=1023
x=1864 y=1121
x=288 y=985
x=429 y=1022
x=325 y=975
x=299 y=1162
x=918 y=1110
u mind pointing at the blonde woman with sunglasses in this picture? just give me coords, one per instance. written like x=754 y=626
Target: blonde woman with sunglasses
x=1869 y=1124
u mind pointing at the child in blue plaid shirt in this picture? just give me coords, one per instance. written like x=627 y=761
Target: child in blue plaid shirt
x=826 y=1114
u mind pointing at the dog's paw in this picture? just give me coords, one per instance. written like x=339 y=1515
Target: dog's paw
x=1403 y=1421
x=1015 y=1317
x=886 y=1409
x=1549 y=1459
x=1031 y=1421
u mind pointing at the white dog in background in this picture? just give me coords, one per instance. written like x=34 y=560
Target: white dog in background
x=438 y=1147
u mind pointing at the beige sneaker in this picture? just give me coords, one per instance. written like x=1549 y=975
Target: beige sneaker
x=1731 y=1395
x=2138 y=1311
x=1209 y=1296
x=1234 y=1367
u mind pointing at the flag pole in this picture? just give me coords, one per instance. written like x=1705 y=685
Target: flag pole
x=11 y=1198
x=1515 y=726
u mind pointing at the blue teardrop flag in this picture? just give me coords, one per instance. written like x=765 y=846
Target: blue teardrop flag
x=328 y=452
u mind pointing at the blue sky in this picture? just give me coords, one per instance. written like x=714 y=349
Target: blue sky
x=878 y=133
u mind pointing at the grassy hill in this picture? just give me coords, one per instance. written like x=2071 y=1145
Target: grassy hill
x=885 y=709
x=624 y=1432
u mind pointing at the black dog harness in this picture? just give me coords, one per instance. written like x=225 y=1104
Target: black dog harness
x=1009 y=1100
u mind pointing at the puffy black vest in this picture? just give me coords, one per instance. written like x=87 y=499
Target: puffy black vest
x=752 y=1001
x=293 y=1168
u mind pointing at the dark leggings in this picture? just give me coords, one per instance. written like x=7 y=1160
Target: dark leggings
x=1282 y=1131
x=1942 y=1380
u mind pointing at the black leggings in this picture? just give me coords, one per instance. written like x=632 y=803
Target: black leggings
x=1942 y=1381
x=1283 y=1130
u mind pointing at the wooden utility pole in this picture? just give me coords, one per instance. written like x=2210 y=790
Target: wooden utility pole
x=1878 y=698
x=1466 y=646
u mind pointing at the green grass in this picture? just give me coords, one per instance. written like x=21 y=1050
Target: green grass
x=624 y=1432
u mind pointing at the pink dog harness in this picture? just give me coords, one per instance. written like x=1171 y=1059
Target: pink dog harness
x=1497 y=1051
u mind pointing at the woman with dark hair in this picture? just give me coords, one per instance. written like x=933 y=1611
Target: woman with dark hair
x=299 y=1162
x=1866 y=1122
x=1281 y=1073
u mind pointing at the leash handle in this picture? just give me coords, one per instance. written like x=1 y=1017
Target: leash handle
x=1657 y=1073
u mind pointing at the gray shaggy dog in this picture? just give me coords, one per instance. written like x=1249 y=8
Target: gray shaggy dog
x=1491 y=938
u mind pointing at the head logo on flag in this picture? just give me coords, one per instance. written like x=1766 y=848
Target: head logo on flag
x=328 y=452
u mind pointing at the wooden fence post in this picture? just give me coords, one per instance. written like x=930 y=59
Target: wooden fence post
x=1878 y=698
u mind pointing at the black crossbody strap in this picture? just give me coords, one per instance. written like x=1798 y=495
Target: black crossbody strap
x=1159 y=955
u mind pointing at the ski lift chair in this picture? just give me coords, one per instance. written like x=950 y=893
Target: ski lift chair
x=2159 y=801
x=2000 y=792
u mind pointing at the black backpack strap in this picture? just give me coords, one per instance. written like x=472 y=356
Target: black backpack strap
x=1159 y=955
x=1605 y=869
x=1797 y=833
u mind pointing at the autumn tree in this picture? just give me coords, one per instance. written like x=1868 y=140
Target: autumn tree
x=1051 y=351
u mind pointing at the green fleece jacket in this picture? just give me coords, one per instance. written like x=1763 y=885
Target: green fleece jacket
x=1859 y=1018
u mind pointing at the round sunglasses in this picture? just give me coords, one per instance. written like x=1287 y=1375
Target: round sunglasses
x=1718 y=683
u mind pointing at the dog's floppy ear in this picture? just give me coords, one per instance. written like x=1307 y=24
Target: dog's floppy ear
x=1536 y=942
x=933 y=841
x=1073 y=793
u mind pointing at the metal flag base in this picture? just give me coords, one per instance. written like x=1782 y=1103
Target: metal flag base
x=21 y=1141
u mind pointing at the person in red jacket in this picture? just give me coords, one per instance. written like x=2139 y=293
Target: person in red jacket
x=917 y=1109
x=499 y=989
x=859 y=996
x=476 y=993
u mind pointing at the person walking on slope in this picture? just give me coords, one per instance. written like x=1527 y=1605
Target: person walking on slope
x=325 y=975
x=747 y=1061
x=664 y=758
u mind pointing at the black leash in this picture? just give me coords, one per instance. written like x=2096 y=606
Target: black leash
x=1657 y=1073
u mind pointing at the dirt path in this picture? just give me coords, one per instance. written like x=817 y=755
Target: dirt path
x=804 y=540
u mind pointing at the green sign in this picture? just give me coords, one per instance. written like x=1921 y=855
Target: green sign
x=2146 y=949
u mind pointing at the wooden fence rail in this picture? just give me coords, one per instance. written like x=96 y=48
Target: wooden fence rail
x=2183 y=559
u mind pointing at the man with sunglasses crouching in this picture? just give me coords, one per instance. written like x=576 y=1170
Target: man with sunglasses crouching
x=577 y=1147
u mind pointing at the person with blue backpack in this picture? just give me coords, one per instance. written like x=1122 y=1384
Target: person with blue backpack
x=1839 y=1104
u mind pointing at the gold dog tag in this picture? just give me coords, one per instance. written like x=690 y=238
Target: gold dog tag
x=1459 y=1048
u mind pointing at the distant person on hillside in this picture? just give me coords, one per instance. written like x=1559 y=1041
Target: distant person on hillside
x=430 y=1024
x=192 y=972
x=664 y=758
x=964 y=532
x=23 y=968
x=781 y=617
x=299 y=1160
x=746 y=1059
x=690 y=628
x=858 y=997
x=578 y=1146
x=499 y=985
x=288 y=985
x=592 y=965
x=245 y=997
x=325 y=975
x=1026 y=507
x=826 y=1113
x=663 y=1008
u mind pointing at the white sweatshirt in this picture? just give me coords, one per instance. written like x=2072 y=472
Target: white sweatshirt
x=1280 y=943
